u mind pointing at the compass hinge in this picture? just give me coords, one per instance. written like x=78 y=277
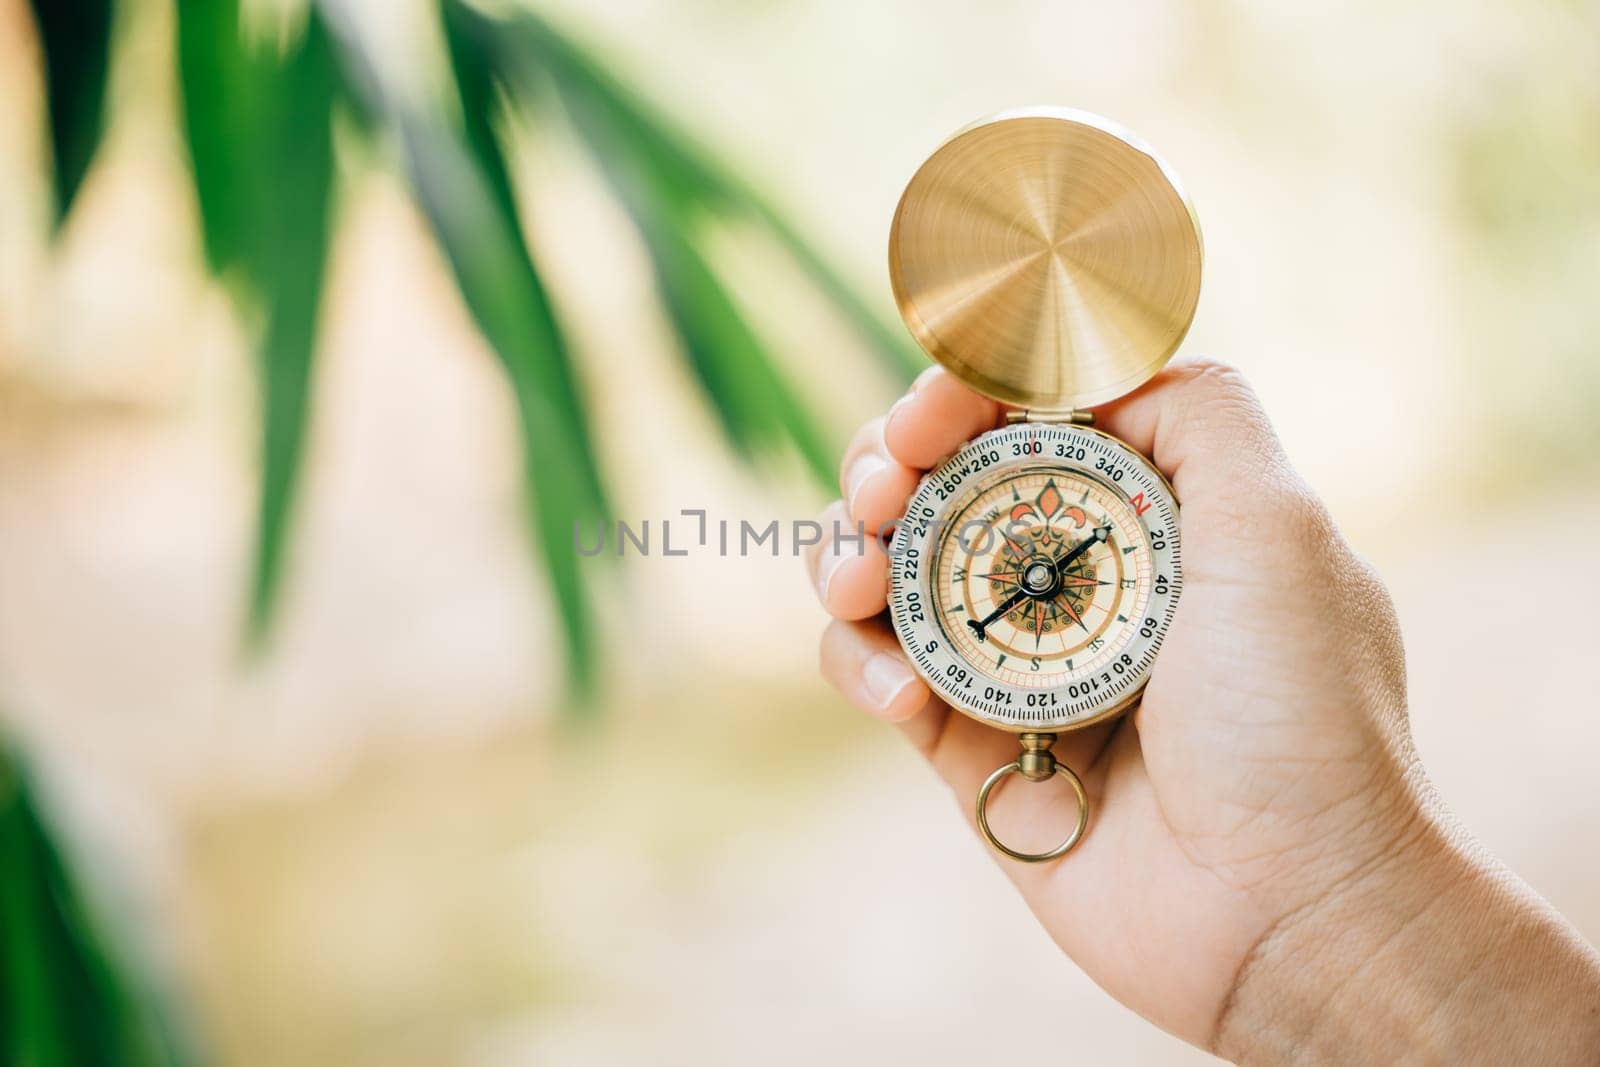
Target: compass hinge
x=1075 y=418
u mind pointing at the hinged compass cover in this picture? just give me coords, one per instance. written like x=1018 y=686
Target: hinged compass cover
x=1047 y=258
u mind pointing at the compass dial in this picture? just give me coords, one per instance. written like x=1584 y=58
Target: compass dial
x=1035 y=575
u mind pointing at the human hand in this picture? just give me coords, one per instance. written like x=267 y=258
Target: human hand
x=1266 y=874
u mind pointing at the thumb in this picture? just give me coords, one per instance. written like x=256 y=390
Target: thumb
x=1201 y=424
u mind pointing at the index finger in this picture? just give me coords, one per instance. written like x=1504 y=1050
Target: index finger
x=936 y=418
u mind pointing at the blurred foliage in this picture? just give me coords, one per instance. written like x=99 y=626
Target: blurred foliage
x=258 y=116
x=258 y=123
x=667 y=188
x=259 y=110
x=76 y=40
x=64 y=998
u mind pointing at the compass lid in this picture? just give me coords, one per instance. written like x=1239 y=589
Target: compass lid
x=1046 y=257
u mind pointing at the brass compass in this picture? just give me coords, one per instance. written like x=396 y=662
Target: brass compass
x=1050 y=260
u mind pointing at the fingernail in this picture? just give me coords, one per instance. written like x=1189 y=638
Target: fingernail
x=894 y=409
x=927 y=375
x=863 y=467
x=886 y=676
x=826 y=567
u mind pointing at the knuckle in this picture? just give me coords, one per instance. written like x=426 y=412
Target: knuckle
x=867 y=438
x=1215 y=403
x=831 y=647
x=1216 y=378
x=1220 y=393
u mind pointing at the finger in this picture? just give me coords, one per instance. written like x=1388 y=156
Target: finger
x=935 y=418
x=1201 y=423
x=866 y=663
x=875 y=485
x=849 y=569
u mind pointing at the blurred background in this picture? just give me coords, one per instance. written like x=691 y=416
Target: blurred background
x=314 y=326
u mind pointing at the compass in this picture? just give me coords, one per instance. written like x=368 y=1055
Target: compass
x=1050 y=260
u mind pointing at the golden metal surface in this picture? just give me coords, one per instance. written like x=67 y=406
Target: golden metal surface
x=1037 y=764
x=1047 y=258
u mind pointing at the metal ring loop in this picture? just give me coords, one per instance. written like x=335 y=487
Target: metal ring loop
x=1033 y=857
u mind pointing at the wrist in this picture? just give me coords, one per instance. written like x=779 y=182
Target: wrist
x=1436 y=952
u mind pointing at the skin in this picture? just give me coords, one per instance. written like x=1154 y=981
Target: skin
x=1267 y=873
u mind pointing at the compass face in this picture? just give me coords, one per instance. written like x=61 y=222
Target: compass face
x=1035 y=574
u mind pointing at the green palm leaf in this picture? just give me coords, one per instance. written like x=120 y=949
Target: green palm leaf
x=75 y=36
x=526 y=47
x=756 y=406
x=259 y=128
x=506 y=297
x=257 y=121
x=459 y=176
x=65 y=999
x=547 y=366
x=480 y=229
x=669 y=187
